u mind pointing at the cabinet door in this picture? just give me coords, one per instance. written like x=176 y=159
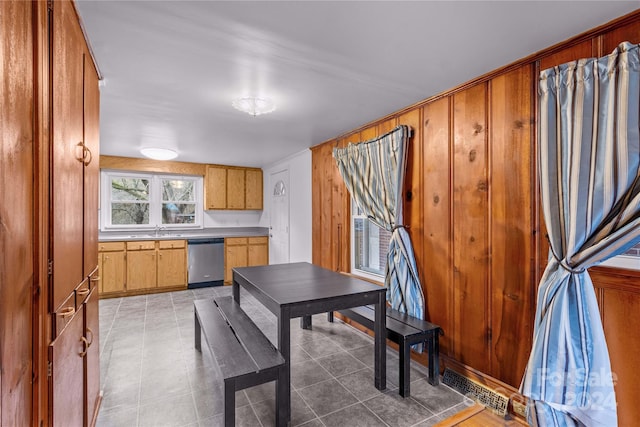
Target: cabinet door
x=112 y=270
x=258 y=251
x=216 y=187
x=235 y=189
x=141 y=269
x=92 y=356
x=235 y=255
x=91 y=164
x=67 y=163
x=67 y=373
x=172 y=267
x=253 y=190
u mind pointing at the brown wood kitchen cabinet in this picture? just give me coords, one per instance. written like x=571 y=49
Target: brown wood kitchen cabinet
x=73 y=224
x=111 y=260
x=172 y=263
x=233 y=188
x=244 y=252
x=135 y=267
x=141 y=265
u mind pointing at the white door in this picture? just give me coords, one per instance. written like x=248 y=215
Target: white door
x=279 y=228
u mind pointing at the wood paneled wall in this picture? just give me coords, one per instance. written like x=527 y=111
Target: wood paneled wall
x=473 y=209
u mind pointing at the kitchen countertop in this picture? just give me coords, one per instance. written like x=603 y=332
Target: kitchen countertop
x=203 y=233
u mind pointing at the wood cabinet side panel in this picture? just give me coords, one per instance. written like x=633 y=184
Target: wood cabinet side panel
x=470 y=223
x=17 y=240
x=512 y=227
x=92 y=164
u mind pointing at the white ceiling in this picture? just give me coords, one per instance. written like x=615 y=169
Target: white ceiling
x=172 y=68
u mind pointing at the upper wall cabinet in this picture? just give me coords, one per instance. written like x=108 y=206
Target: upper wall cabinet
x=233 y=188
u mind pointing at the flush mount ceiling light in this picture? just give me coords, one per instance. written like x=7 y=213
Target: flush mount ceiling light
x=159 y=153
x=254 y=105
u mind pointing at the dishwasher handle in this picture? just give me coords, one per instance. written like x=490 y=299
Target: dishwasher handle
x=217 y=240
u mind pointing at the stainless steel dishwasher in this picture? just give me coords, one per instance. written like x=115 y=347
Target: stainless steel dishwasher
x=206 y=262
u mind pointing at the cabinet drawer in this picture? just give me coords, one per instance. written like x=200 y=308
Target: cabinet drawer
x=171 y=244
x=229 y=241
x=258 y=240
x=139 y=246
x=110 y=246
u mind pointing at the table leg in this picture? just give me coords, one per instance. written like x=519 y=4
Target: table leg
x=236 y=292
x=283 y=384
x=305 y=322
x=380 y=329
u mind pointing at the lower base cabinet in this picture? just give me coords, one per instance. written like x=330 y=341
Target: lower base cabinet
x=136 y=267
x=244 y=252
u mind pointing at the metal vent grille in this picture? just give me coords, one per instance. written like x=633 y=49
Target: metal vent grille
x=478 y=392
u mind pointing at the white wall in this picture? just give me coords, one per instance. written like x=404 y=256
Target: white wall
x=232 y=218
x=299 y=166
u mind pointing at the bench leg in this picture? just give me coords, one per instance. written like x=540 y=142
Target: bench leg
x=305 y=322
x=434 y=359
x=198 y=334
x=281 y=390
x=404 y=351
x=229 y=404
x=330 y=316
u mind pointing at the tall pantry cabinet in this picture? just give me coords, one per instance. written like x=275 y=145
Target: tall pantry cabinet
x=74 y=370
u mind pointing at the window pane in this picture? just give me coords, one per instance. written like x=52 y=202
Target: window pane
x=370 y=246
x=634 y=251
x=129 y=213
x=178 y=213
x=178 y=190
x=129 y=189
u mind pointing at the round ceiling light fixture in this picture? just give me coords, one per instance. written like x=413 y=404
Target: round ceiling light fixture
x=159 y=153
x=254 y=105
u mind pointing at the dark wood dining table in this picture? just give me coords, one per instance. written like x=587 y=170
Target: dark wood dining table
x=301 y=290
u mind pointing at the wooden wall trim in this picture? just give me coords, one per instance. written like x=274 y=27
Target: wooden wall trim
x=148 y=165
x=616 y=278
x=592 y=33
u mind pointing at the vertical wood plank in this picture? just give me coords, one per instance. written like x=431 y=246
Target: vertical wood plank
x=511 y=223
x=470 y=235
x=387 y=126
x=17 y=240
x=436 y=205
x=341 y=218
x=326 y=220
x=367 y=134
x=316 y=205
x=586 y=49
x=629 y=32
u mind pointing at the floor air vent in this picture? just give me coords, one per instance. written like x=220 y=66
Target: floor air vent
x=478 y=392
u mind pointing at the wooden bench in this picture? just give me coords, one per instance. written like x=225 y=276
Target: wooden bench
x=245 y=356
x=404 y=330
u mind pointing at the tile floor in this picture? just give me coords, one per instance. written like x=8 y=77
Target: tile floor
x=153 y=376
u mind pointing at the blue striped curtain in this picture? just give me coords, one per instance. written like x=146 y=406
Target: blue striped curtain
x=589 y=155
x=373 y=172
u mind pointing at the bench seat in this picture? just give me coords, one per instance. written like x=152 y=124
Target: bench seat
x=246 y=357
x=404 y=330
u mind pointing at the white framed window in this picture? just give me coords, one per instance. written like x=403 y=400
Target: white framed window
x=369 y=246
x=132 y=200
x=629 y=260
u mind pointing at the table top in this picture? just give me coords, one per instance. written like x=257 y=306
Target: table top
x=301 y=283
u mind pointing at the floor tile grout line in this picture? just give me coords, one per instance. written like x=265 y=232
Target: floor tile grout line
x=144 y=333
